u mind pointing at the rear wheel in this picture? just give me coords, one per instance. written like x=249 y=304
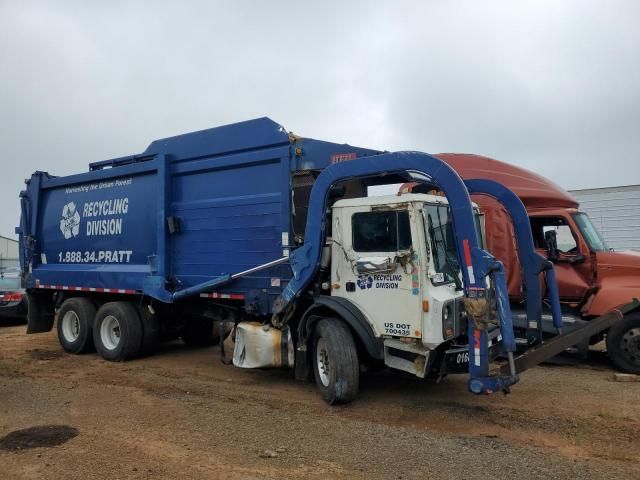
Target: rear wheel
x=623 y=344
x=74 y=325
x=117 y=331
x=336 y=364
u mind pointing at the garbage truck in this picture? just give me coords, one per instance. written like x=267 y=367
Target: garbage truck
x=251 y=226
x=592 y=278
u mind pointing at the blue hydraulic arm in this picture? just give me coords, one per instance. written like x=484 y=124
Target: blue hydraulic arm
x=477 y=263
x=531 y=262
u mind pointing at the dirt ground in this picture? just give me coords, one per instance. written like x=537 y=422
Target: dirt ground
x=182 y=414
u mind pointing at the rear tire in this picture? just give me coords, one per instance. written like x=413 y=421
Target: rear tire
x=623 y=343
x=75 y=325
x=335 y=360
x=117 y=331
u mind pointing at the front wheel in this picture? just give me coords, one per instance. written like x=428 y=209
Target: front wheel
x=336 y=366
x=623 y=344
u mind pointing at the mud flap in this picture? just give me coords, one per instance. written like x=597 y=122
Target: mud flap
x=41 y=312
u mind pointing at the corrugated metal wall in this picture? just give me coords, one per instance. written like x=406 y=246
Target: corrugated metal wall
x=615 y=211
x=8 y=253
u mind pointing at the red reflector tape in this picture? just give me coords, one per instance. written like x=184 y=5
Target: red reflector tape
x=467 y=260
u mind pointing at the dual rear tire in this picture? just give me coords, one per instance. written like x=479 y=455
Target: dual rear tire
x=118 y=331
x=75 y=325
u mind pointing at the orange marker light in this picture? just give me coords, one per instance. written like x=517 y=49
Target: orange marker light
x=425 y=305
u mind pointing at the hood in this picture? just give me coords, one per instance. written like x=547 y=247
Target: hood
x=618 y=264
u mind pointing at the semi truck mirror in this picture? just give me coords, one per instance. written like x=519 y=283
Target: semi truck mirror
x=577 y=259
x=551 y=244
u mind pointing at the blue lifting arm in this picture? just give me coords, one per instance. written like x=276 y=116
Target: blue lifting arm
x=531 y=262
x=477 y=263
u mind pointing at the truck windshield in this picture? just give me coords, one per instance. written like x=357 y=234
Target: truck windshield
x=443 y=242
x=590 y=233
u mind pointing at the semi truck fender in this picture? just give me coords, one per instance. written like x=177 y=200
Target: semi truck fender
x=41 y=311
x=324 y=306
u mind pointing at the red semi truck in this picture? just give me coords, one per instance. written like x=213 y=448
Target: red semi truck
x=592 y=278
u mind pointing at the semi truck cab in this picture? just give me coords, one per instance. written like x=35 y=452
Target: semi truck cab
x=592 y=278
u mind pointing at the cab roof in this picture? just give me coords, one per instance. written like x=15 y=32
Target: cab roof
x=534 y=190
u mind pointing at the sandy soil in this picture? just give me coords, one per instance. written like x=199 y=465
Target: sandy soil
x=183 y=414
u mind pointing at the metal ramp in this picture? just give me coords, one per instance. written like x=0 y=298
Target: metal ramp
x=558 y=344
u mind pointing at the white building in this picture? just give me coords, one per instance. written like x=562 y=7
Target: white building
x=615 y=211
x=8 y=253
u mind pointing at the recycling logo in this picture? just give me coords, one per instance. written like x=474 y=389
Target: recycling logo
x=70 y=223
x=365 y=281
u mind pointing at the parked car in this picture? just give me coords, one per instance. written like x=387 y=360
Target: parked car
x=13 y=300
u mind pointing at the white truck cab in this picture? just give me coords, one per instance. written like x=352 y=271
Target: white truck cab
x=394 y=257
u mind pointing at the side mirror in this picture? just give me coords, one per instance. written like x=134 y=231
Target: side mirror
x=551 y=244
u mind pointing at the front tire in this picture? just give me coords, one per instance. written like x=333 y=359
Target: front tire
x=335 y=360
x=117 y=331
x=623 y=344
x=75 y=325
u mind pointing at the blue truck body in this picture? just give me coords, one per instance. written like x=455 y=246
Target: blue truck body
x=187 y=209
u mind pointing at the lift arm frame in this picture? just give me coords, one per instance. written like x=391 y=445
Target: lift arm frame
x=476 y=263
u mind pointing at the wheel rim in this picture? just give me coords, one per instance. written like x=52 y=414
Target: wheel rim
x=322 y=360
x=631 y=344
x=70 y=326
x=110 y=332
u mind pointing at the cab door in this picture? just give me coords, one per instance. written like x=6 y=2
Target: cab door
x=572 y=261
x=373 y=263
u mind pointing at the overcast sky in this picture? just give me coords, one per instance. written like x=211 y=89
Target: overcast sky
x=552 y=86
